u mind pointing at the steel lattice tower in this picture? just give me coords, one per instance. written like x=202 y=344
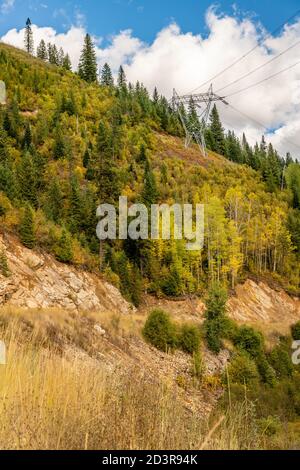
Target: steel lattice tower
x=203 y=102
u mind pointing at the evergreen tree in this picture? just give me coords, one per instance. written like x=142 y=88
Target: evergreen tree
x=106 y=170
x=155 y=96
x=150 y=192
x=41 y=52
x=106 y=76
x=53 y=203
x=67 y=65
x=61 y=57
x=63 y=250
x=87 y=68
x=122 y=79
x=218 y=144
x=27 y=137
x=27 y=228
x=28 y=40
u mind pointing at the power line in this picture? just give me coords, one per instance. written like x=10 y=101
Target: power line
x=264 y=80
x=247 y=53
x=260 y=124
x=259 y=67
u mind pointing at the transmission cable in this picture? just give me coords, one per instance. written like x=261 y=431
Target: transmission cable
x=259 y=67
x=247 y=53
x=260 y=124
x=264 y=80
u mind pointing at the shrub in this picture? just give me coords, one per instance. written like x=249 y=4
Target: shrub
x=281 y=361
x=270 y=426
x=159 y=330
x=216 y=302
x=266 y=372
x=63 y=249
x=197 y=365
x=213 y=329
x=4 y=269
x=250 y=341
x=189 y=339
x=242 y=370
x=229 y=329
x=296 y=331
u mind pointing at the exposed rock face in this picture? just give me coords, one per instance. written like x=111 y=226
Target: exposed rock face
x=259 y=303
x=38 y=281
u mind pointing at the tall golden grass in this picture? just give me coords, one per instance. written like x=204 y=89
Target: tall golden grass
x=50 y=402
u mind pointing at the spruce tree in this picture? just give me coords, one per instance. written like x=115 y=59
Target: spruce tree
x=122 y=79
x=27 y=139
x=106 y=76
x=41 y=52
x=218 y=144
x=155 y=96
x=63 y=250
x=28 y=40
x=27 y=228
x=67 y=65
x=150 y=193
x=87 y=68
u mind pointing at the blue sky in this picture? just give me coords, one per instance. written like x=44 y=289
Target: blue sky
x=182 y=44
x=144 y=17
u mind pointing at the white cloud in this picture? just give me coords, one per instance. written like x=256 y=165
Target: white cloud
x=185 y=60
x=7 y=6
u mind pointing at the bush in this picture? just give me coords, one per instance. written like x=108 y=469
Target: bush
x=159 y=330
x=270 y=426
x=242 y=370
x=266 y=372
x=296 y=331
x=197 y=365
x=216 y=302
x=250 y=341
x=4 y=269
x=229 y=329
x=281 y=361
x=189 y=339
x=213 y=330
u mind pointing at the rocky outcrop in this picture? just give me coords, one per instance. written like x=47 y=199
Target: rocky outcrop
x=37 y=280
x=259 y=303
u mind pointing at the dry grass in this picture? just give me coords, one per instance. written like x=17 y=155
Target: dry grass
x=50 y=402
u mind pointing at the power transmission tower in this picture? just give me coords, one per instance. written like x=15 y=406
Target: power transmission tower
x=203 y=102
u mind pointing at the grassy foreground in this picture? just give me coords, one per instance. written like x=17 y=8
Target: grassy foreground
x=48 y=401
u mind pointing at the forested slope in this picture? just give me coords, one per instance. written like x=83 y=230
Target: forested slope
x=66 y=145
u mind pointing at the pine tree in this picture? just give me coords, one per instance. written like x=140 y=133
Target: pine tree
x=122 y=82
x=28 y=40
x=53 y=204
x=27 y=228
x=217 y=132
x=27 y=137
x=106 y=171
x=41 y=52
x=87 y=68
x=150 y=192
x=106 y=76
x=67 y=65
x=155 y=96
x=61 y=57
x=63 y=250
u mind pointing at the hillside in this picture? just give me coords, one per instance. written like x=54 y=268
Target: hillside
x=206 y=333
x=67 y=145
